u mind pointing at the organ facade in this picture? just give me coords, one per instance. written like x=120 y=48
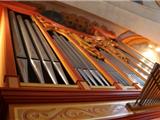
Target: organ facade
x=55 y=70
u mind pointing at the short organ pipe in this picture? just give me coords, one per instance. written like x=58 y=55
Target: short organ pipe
x=78 y=64
x=81 y=64
x=93 y=70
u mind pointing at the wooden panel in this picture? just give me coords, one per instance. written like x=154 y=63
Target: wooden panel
x=66 y=111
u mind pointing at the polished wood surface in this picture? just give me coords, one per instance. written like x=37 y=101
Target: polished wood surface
x=9 y=67
x=53 y=95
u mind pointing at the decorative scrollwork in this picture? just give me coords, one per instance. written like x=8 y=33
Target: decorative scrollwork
x=69 y=113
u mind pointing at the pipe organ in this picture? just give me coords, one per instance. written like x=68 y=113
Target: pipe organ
x=50 y=58
x=36 y=60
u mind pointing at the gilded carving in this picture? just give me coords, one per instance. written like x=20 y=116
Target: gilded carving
x=93 y=44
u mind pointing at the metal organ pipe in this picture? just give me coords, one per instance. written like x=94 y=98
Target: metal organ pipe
x=78 y=65
x=31 y=47
x=19 y=50
x=128 y=72
x=91 y=68
x=139 y=56
x=73 y=59
x=33 y=57
x=52 y=56
x=43 y=56
x=81 y=64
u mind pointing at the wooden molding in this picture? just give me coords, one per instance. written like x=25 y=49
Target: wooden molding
x=60 y=95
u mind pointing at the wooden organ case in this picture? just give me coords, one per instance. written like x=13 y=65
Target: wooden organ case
x=44 y=62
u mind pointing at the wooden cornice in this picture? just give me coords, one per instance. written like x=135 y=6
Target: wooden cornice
x=19 y=7
x=56 y=95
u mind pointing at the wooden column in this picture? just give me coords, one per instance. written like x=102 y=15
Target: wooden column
x=8 y=64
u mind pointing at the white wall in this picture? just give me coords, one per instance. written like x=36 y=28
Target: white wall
x=139 y=19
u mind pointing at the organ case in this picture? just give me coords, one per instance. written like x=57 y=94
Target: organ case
x=48 y=62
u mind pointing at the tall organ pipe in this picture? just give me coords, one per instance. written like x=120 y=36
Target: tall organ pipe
x=33 y=57
x=18 y=48
x=43 y=56
x=51 y=55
